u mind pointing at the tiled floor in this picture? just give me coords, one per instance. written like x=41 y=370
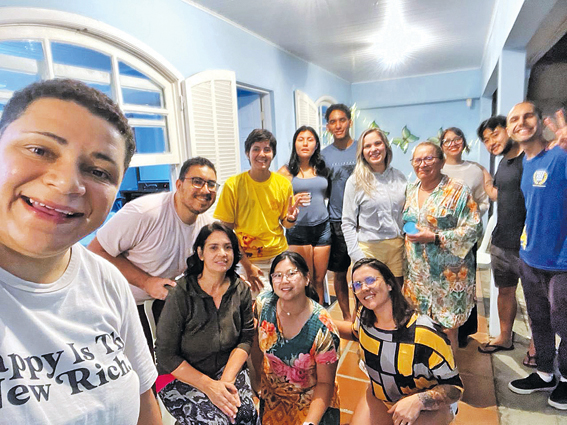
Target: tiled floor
x=479 y=401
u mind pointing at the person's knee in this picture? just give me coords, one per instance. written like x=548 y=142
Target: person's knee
x=443 y=416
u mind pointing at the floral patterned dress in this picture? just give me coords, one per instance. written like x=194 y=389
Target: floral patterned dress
x=440 y=279
x=289 y=370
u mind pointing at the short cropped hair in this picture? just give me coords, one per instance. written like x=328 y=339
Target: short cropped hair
x=337 y=107
x=198 y=161
x=537 y=109
x=491 y=123
x=94 y=100
x=260 y=135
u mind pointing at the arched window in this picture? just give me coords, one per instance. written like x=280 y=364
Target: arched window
x=32 y=53
x=39 y=44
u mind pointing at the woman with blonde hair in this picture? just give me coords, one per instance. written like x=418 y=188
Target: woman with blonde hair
x=373 y=204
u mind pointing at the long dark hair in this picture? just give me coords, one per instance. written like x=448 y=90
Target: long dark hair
x=299 y=262
x=316 y=160
x=401 y=307
x=195 y=264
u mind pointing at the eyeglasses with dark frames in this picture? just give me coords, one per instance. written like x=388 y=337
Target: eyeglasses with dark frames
x=456 y=141
x=428 y=160
x=198 y=183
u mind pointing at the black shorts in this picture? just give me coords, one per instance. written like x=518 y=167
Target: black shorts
x=505 y=265
x=318 y=235
x=339 y=260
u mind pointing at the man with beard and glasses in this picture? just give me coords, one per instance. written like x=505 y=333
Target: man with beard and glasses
x=505 y=244
x=151 y=237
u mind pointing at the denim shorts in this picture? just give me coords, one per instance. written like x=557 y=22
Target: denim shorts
x=318 y=235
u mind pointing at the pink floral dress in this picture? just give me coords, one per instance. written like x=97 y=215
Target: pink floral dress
x=290 y=373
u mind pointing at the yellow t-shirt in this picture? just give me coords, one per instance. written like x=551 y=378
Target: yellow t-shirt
x=257 y=210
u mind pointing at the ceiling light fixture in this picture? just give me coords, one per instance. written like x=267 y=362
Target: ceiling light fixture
x=397 y=40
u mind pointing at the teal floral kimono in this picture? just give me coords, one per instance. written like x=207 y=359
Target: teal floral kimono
x=440 y=279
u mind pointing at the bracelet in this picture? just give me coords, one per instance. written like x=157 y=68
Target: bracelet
x=437 y=239
x=291 y=221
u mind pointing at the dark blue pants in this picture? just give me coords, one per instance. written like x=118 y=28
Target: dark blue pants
x=546 y=299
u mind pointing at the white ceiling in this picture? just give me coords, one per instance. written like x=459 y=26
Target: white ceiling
x=340 y=35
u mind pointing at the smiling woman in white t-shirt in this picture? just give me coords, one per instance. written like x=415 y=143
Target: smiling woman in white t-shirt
x=72 y=348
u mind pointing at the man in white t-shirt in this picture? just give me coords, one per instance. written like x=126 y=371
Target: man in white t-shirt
x=151 y=237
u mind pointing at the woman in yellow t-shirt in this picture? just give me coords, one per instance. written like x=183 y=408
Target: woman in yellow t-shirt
x=258 y=204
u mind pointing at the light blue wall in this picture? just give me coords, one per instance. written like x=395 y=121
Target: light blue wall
x=193 y=41
x=424 y=104
x=424 y=120
x=415 y=90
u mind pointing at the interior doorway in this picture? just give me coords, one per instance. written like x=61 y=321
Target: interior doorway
x=254 y=106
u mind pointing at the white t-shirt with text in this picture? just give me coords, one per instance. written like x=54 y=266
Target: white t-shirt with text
x=72 y=351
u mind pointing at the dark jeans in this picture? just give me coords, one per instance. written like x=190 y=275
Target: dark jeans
x=546 y=299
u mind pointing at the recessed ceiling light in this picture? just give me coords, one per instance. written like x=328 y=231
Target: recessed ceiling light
x=397 y=40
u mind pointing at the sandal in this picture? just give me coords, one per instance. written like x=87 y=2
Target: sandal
x=529 y=360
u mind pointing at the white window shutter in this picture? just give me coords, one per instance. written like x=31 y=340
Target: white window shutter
x=305 y=111
x=212 y=118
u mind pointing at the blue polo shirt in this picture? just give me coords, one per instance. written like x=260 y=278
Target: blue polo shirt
x=544 y=185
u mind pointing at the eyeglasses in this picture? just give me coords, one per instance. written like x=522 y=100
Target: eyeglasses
x=370 y=281
x=198 y=183
x=290 y=275
x=428 y=160
x=456 y=141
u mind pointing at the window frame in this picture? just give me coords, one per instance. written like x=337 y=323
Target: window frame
x=45 y=26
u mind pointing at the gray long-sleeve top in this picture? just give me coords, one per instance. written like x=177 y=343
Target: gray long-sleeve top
x=191 y=327
x=373 y=218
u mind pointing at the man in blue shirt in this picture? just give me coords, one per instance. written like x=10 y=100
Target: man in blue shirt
x=543 y=251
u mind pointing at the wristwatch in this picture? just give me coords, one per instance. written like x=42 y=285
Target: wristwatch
x=437 y=239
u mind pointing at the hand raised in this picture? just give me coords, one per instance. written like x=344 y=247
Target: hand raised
x=559 y=127
x=292 y=209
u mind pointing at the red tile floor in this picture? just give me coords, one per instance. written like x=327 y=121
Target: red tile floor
x=478 y=405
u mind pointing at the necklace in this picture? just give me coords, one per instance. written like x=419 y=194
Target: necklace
x=288 y=313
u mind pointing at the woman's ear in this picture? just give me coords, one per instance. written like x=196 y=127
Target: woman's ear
x=200 y=253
